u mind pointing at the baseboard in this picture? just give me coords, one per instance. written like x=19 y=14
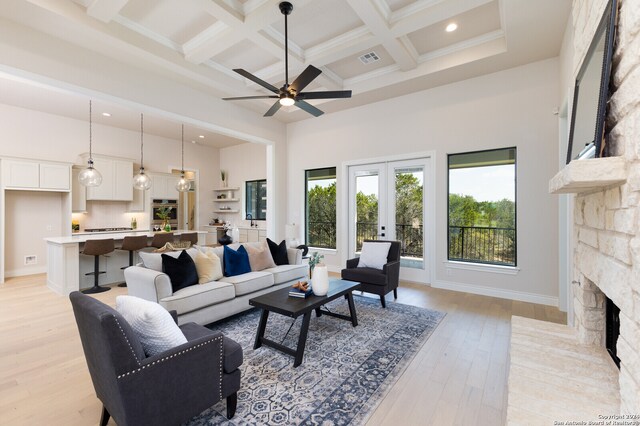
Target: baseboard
x=21 y=272
x=497 y=292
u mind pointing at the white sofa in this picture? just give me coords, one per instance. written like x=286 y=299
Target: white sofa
x=215 y=300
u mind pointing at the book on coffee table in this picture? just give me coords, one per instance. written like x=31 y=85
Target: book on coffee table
x=294 y=292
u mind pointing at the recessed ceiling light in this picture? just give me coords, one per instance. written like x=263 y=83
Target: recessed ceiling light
x=106 y=114
x=452 y=27
x=201 y=136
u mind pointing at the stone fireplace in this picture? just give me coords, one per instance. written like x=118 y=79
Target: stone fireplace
x=607 y=221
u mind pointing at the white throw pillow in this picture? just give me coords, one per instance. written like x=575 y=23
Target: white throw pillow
x=208 y=266
x=153 y=261
x=153 y=324
x=374 y=255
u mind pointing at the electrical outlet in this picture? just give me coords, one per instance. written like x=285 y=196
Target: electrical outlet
x=31 y=259
x=449 y=272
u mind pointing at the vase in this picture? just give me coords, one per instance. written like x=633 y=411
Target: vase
x=320 y=281
x=225 y=240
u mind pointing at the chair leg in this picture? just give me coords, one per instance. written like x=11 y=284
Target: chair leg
x=384 y=302
x=104 y=418
x=232 y=403
x=395 y=293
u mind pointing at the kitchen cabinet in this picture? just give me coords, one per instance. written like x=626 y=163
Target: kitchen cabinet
x=78 y=192
x=164 y=186
x=36 y=175
x=117 y=184
x=252 y=235
x=138 y=202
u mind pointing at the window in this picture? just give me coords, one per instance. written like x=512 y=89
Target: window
x=482 y=207
x=256 y=199
x=320 y=186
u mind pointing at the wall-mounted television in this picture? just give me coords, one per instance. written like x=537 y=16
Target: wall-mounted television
x=591 y=93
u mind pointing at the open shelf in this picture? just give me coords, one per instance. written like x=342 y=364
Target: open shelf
x=223 y=200
x=226 y=211
x=234 y=188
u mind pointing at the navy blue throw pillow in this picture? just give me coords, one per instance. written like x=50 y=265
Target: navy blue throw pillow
x=236 y=262
x=278 y=252
x=181 y=270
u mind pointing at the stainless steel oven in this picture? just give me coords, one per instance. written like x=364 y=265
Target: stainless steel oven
x=157 y=205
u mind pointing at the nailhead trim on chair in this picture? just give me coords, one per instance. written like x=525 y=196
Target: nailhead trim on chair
x=175 y=355
x=221 y=361
x=125 y=338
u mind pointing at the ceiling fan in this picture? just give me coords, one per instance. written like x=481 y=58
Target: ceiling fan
x=291 y=94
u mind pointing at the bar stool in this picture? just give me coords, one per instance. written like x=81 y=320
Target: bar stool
x=97 y=248
x=162 y=238
x=132 y=244
x=190 y=236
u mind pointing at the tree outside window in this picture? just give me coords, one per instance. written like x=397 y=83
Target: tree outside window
x=482 y=207
x=320 y=187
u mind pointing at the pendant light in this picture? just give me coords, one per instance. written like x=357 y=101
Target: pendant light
x=183 y=185
x=141 y=180
x=90 y=176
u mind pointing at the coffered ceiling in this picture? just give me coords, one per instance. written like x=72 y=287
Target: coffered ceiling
x=203 y=40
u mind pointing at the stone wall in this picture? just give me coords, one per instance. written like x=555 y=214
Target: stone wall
x=607 y=223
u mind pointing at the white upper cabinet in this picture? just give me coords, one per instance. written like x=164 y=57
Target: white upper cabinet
x=78 y=192
x=35 y=175
x=164 y=186
x=117 y=183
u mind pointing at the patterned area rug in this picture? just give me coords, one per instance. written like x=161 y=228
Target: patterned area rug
x=345 y=373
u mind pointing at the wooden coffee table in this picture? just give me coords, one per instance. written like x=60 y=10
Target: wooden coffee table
x=280 y=302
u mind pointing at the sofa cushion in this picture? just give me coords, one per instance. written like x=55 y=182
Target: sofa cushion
x=154 y=326
x=250 y=282
x=284 y=273
x=236 y=262
x=198 y=296
x=365 y=275
x=260 y=257
x=278 y=252
x=181 y=270
x=153 y=261
x=208 y=266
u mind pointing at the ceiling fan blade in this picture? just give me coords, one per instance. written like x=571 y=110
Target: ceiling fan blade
x=309 y=108
x=274 y=108
x=325 y=95
x=256 y=80
x=250 y=97
x=307 y=76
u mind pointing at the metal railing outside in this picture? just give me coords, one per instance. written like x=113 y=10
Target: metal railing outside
x=483 y=244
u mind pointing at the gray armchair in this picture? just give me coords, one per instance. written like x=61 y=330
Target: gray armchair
x=165 y=389
x=377 y=281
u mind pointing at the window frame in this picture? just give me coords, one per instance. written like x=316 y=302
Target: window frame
x=258 y=202
x=306 y=207
x=515 y=215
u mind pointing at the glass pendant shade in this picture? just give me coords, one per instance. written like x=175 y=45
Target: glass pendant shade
x=90 y=176
x=141 y=180
x=183 y=184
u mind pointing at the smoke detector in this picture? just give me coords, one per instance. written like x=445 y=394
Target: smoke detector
x=368 y=58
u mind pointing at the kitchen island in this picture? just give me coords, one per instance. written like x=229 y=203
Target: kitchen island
x=66 y=266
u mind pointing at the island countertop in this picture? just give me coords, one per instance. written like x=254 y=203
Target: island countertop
x=83 y=237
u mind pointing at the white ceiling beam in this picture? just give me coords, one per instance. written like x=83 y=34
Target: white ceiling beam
x=379 y=26
x=408 y=20
x=105 y=10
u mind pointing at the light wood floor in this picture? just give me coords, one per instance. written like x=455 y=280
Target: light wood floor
x=459 y=377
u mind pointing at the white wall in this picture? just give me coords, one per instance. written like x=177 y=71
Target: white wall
x=242 y=163
x=509 y=108
x=30 y=217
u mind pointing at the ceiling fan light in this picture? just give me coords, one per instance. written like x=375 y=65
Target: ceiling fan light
x=286 y=101
x=141 y=181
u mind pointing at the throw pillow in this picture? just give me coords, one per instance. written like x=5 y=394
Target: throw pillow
x=260 y=258
x=278 y=252
x=236 y=262
x=181 y=270
x=208 y=266
x=153 y=324
x=373 y=255
x=153 y=261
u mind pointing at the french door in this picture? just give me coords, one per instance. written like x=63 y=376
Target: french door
x=387 y=201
